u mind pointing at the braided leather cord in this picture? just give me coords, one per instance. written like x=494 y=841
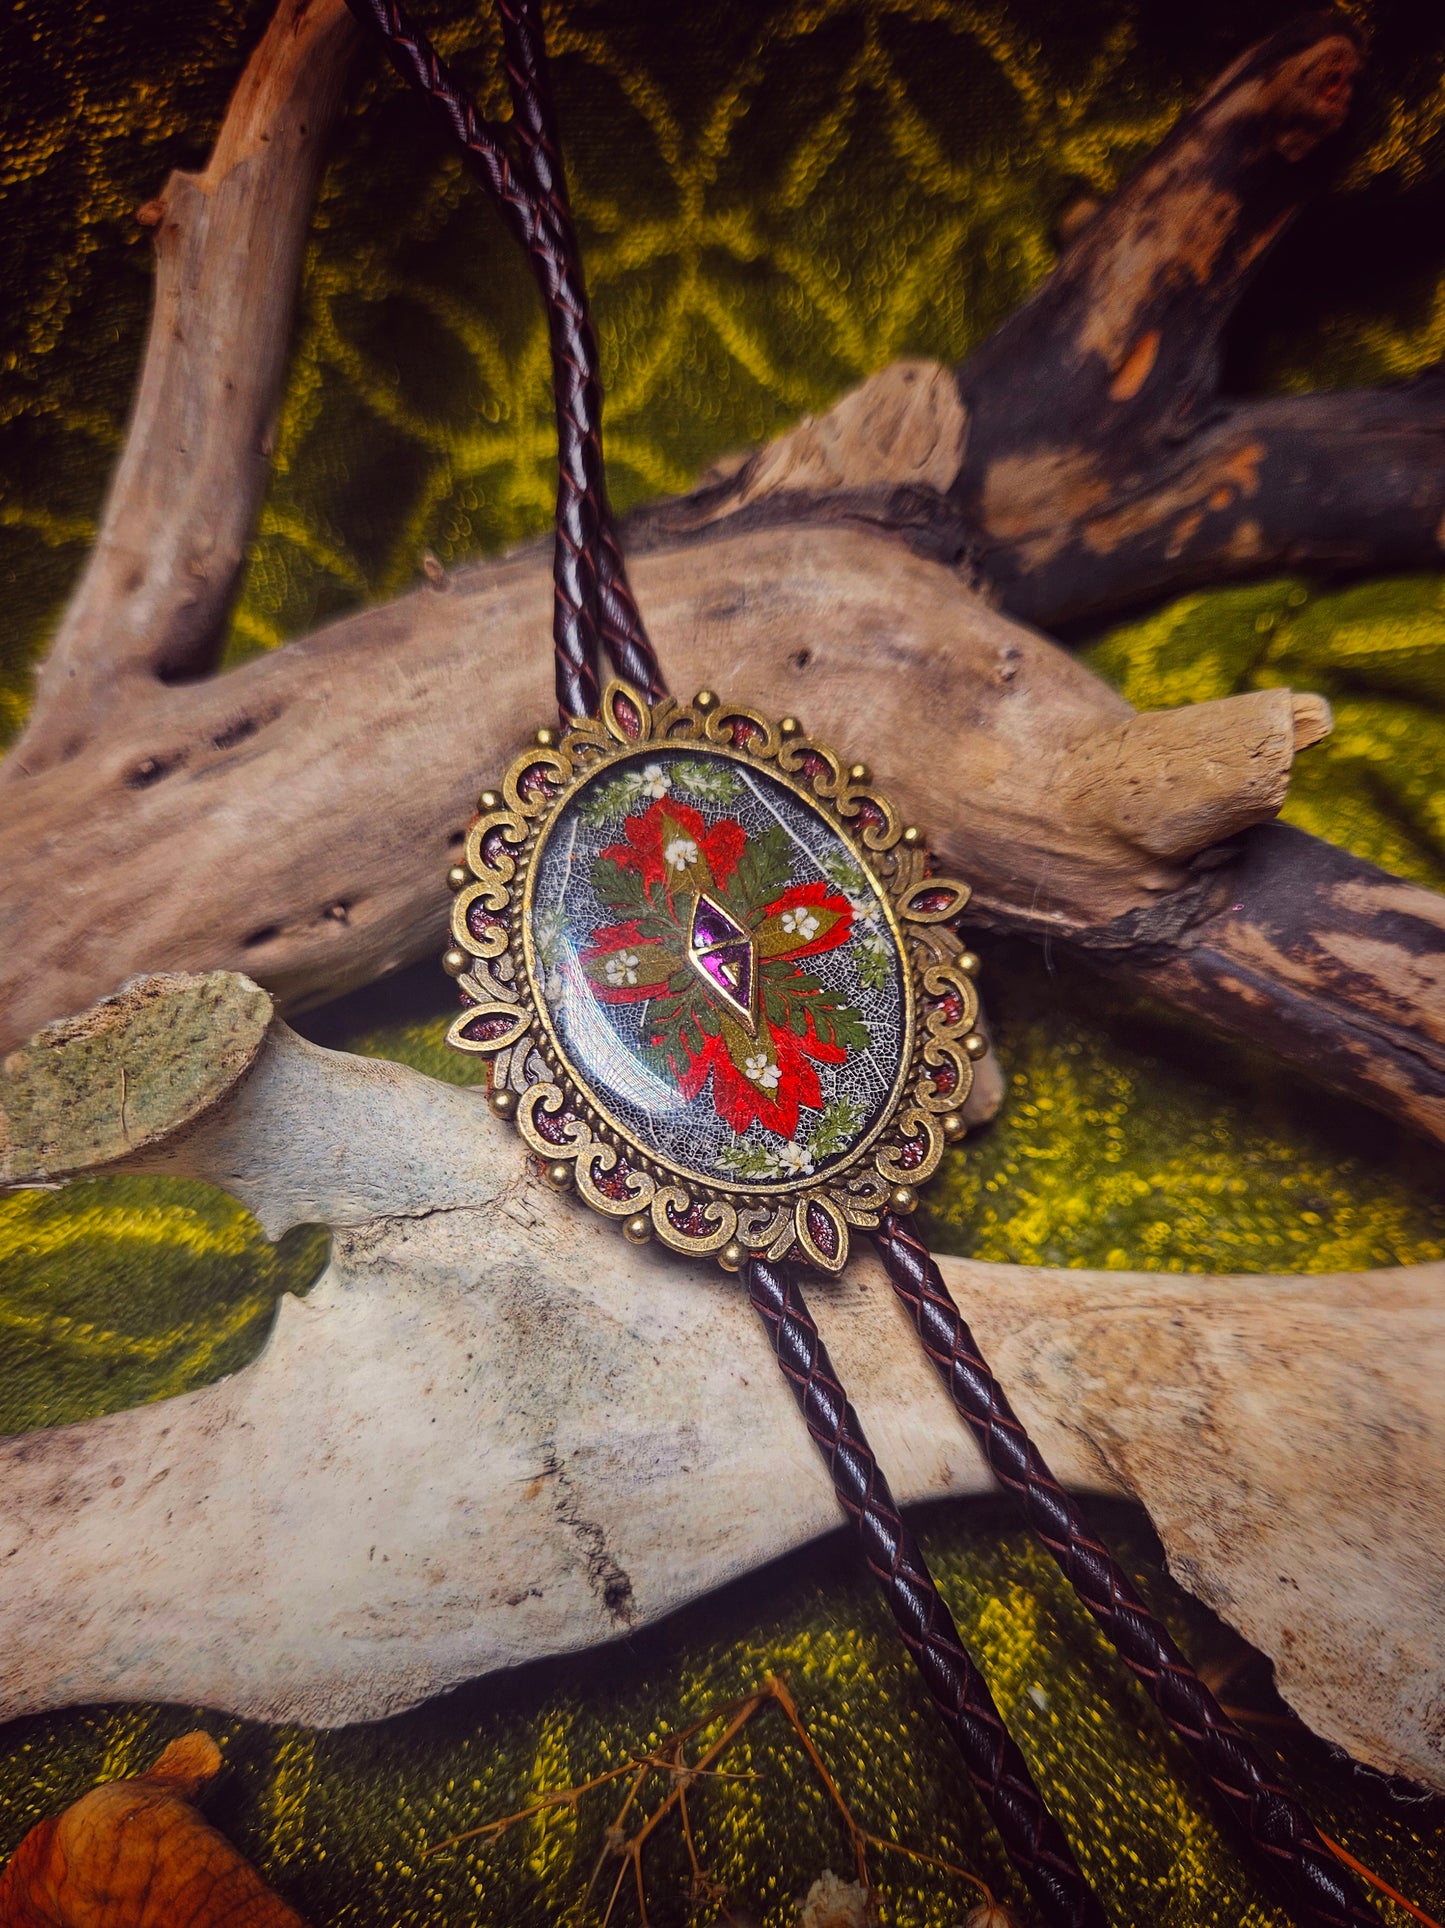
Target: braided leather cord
x=619 y=621
x=1032 y=1836
x=574 y=610
x=593 y=600
x=593 y=603
x=1320 y=1889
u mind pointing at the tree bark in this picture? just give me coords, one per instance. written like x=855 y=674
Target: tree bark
x=1083 y=459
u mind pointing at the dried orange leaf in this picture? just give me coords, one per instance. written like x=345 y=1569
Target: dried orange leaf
x=135 y=1854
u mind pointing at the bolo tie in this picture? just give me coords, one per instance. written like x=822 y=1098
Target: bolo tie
x=720 y=989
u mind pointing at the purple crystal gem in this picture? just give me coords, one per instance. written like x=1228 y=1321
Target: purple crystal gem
x=730 y=966
x=712 y=925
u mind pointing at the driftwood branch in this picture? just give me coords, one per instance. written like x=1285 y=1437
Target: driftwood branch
x=292 y=818
x=151 y=605
x=1084 y=459
x=1324 y=483
x=495 y=1431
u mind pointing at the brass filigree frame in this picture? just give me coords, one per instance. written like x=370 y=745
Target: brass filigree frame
x=568 y=1124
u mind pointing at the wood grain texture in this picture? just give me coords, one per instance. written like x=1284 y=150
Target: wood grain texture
x=1097 y=461
x=312 y=800
x=150 y=608
x=293 y=819
x=1296 y=938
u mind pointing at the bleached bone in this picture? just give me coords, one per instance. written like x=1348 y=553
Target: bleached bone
x=495 y=1431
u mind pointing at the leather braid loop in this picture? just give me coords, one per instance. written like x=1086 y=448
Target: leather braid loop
x=1321 y=1890
x=593 y=608
x=592 y=602
x=997 y=1769
x=619 y=622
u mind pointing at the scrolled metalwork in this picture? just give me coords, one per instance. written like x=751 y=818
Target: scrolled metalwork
x=569 y=1124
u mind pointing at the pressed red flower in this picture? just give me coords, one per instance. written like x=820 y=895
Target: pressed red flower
x=740 y=1100
x=624 y=967
x=659 y=839
x=806 y=920
x=762 y=1072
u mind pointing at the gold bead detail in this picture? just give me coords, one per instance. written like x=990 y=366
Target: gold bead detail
x=912 y=836
x=904 y=1199
x=503 y=1103
x=969 y=962
x=731 y=1257
x=790 y=726
x=546 y=739
x=457 y=876
x=455 y=961
x=489 y=800
x=976 y=1044
x=559 y=1176
x=857 y=772
x=952 y=1126
x=637 y=1231
x=705 y=700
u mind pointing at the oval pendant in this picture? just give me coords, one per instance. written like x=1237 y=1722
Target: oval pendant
x=719 y=988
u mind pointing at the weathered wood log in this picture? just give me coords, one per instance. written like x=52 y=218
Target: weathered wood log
x=495 y=1431
x=291 y=818
x=294 y=819
x=1083 y=458
x=151 y=605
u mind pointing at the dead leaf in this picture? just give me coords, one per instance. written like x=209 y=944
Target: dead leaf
x=135 y=1854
